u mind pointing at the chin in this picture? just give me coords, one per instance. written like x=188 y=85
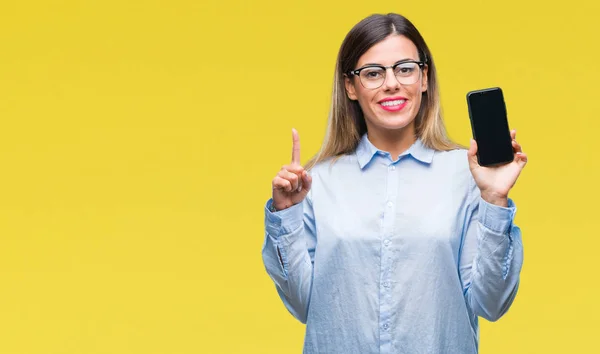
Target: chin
x=397 y=127
x=396 y=123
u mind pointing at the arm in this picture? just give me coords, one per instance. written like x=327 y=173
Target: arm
x=491 y=257
x=288 y=254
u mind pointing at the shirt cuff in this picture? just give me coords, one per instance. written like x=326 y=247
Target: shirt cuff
x=496 y=218
x=284 y=221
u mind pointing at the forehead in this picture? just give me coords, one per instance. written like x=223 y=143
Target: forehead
x=389 y=51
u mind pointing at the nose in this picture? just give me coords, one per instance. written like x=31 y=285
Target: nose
x=391 y=82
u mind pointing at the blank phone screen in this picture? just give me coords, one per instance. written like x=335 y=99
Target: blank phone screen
x=490 y=126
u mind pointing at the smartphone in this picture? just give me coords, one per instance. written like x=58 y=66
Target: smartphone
x=489 y=125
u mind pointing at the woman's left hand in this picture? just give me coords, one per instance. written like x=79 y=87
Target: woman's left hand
x=495 y=182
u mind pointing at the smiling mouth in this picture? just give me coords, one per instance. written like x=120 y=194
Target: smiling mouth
x=393 y=105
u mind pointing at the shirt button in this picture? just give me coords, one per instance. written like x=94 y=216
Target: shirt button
x=386 y=242
x=386 y=284
x=386 y=326
x=392 y=167
x=390 y=204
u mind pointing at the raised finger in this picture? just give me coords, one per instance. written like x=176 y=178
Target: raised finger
x=295 y=147
x=297 y=169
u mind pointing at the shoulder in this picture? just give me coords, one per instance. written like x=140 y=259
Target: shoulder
x=454 y=164
x=452 y=158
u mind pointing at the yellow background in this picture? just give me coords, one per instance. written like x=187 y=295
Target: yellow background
x=138 y=140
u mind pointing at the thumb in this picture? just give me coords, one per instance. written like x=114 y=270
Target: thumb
x=306 y=183
x=472 y=154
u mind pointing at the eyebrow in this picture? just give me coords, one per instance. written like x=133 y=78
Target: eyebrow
x=398 y=62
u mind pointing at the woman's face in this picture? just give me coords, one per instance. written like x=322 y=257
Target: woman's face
x=392 y=106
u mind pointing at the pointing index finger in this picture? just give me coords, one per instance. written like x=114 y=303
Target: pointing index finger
x=295 y=147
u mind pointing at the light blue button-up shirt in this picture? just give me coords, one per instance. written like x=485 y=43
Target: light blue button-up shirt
x=394 y=255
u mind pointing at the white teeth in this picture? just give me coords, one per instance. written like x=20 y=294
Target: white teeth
x=393 y=103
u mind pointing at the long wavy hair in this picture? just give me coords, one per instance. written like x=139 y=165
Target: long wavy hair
x=346 y=124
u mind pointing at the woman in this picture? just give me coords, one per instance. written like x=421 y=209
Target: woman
x=397 y=240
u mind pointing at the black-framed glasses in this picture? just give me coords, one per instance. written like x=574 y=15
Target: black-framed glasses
x=373 y=76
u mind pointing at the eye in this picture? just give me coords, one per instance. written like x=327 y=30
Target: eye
x=372 y=73
x=405 y=69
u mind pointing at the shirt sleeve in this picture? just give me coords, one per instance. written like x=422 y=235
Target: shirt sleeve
x=491 y=256
x=288 y=254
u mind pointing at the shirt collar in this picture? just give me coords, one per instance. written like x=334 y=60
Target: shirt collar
x=366 y=150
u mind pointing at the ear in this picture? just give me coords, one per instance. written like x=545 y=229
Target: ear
x=424 y=81
x=350 y=90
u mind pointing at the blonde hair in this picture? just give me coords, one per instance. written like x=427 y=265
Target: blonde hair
x=346 y=124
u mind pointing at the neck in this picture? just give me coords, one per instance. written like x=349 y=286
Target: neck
x=393 y=141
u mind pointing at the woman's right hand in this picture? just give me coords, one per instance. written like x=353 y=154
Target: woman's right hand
x=292 y=183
